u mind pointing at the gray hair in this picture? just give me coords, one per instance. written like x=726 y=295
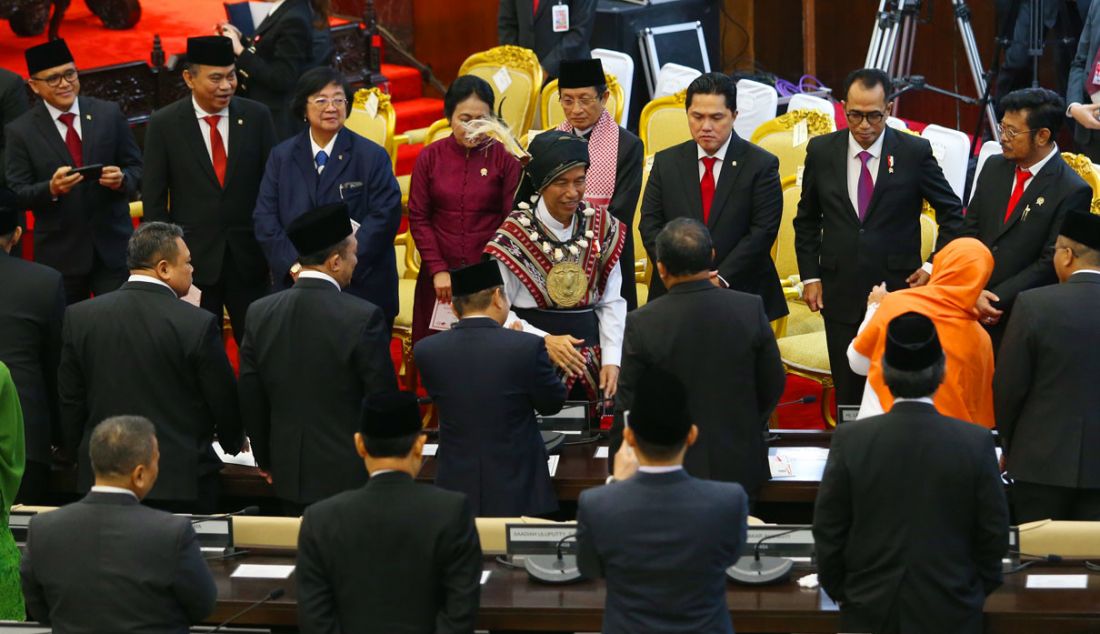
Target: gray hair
x=121 y=443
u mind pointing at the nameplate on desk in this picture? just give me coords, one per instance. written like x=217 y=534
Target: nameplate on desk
x=213 y=532
x=1057 y=582
x=540 y=539
x=262 y=571
x=572 y=417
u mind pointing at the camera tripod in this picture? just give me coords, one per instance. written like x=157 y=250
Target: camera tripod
x=893 y=41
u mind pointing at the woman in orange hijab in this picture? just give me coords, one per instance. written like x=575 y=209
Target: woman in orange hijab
x=959 y=273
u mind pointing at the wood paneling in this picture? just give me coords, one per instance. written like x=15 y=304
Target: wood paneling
x=448 y=31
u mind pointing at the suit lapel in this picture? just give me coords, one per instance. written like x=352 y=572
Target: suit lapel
x=272 y=19
x=1001 y=181
x=193 y=132
x=89 y=127
x=337 y=163
x=841 y=177
x=303 y=158
x=1034 y=191
x=882 y=181
x=49 y=131
x=689 y=176
x=238 y=130
x=543 y=4
x=726 y=178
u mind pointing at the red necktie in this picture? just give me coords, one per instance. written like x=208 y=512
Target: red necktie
x=1022 y=177
x=72 y=139
x=706 y=185
x=217 y=148
x=535 y=9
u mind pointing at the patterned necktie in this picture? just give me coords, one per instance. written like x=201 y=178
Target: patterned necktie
x=72 y=139
x=706 y=185
x=320 y=160
x=866 y=186
x=217 y=147
x=1022 y=177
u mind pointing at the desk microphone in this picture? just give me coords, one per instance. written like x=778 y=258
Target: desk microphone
x=1036 y=559
x=809 y=398
x=248 y=510
x=271 y=596
x=762 y=570
x=559 y=568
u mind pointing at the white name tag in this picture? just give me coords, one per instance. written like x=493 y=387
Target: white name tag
x=560 y=14
x=801 y=133
x=371 y=106
x=502 y=79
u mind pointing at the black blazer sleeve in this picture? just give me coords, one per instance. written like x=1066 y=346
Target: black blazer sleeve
x=255 y=405
x=547 y=390
x=1013 y=376
x=991 y=517
x=128 y=155
x=154 y=189
x=628 y=183
x=51 y=359
x=13 y=102
x=653 y=211
x=582 y=15
x=460 y=552
x=832 y=519
x=771 y=378
x=317 y=611
x=1075 y=86
x=807 y=221
x=219 y=388
x=767 y=211
x=507 y=24
x=935 y=189
x=19 y=167
x=72 y=393
x=193 y=584
x=293 y=48
x=588 y=557
x=632 y=363
x=372 y=356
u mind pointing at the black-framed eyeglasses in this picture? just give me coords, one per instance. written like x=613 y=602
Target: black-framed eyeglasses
x=1012 y=133
x=53 y=81
x=855 y=117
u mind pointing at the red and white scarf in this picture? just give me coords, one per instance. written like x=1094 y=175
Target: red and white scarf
x=603 y=159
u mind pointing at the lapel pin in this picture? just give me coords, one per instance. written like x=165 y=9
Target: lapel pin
x=240 y=121
x=733 y=163
x=88 y=117
x=1040 y=200
x=1027 y=210
x=339 y=157
x=484 y=172
x=890 y=163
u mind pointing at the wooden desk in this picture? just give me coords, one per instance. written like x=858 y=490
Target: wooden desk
x=510 y=601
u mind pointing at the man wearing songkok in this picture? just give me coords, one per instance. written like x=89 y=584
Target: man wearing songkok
x=1019 y=201
x=488 y=382
x=32 y=305
x=392 y=555
x=81 y=221
x=559 y=259
x=205 y=156
x=311 y=354
x=662 y=538
x=911 y=521
x=1044 y=389
x=109 y=563
x=142 y=351
x=615 y=155
x=718 y=343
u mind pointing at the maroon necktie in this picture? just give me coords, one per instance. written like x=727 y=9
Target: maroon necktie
x=72 y=139
x=1022 y=177
x=706 y=185
x=217 y=148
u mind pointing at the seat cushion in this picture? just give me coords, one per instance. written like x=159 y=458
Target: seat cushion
x=802 y=321
x=806 y=352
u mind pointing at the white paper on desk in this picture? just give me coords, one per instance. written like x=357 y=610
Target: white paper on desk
x=244 y=458
x=262 y=571
x=485 y=576
x=601 y=452
x=1060 y=582
x=780 y=468
x=193 y=296
x=552 y=463
x=443 y=315
x=429 y=450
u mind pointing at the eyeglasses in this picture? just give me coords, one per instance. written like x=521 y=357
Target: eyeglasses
x=585 y=102
x=1011 y=133
x=324 y=102
x=855 y=117
x=53 y=81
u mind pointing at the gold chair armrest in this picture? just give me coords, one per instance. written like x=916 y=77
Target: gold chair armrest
x=413 y=137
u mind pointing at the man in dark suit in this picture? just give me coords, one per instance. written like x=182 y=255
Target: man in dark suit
x=13 y=102
x=488 y=382
x=32 y=305
x=554 y=29
x=81 y=225
x=727 y=183
x=142 y=351
x=299 y=423
x=719 y=345
x=911 y=522
x=108 y=563
x=1044 y=389
x=858 y=222
x=205 y=178
x=1019 y=202
x=662 y=538
x=1084 y=108
x=393 y=555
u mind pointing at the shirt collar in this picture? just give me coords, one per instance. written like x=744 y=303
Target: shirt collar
x=200 y=113
x=141 y=277
x=720 y=154
x=327 y=148
x=854 y=148
x=55 y=113
x=1093 y=271
x=668 y=469
x=1035 y=169
x=317 y=275
x=381 y=471
x=106 y=489
x=923 y=399
x=548 y=220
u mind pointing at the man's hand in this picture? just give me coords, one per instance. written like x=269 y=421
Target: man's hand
x=877 y=294
x=111 y=177
x=442 y=283
x=986 y=312
x=266 y=476
x=626 y=463
x=62 y=182
x=517 y=325
x=233 y=33
x=609 y=380
x=812 y=294
x=1085 y=115
x=919 y=277
x=564 y=355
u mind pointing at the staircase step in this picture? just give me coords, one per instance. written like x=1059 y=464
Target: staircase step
x=417 y=113
x=405 y=82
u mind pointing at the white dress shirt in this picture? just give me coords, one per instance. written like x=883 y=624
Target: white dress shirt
x=106 y=489
x=149 y=279
x=317 y=148
x=610 y=309
x=666 y=469
x=1090 y=271
x=720 y=155
x=1034 y=169
x=223 y=127
x=61 y=127
x=317 y=275
x=274 y=7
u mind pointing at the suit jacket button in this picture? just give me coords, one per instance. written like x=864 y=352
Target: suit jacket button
x=862 y=230
x=994 y=249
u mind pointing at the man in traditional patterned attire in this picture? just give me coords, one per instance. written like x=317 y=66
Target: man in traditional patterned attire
x=560 y=262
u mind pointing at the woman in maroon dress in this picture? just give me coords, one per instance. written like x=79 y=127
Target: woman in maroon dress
x=461 y=192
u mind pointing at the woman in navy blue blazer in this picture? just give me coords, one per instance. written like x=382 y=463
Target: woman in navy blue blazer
x=327 y=164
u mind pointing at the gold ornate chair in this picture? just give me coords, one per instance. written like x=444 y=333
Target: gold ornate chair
x=1087 y=171
x=408 y=267
x=551 y=113
x=517 y=103
x=663 y=123
x=800 y=319
x=379 y=126
x=777 y=136
x=643 y=267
